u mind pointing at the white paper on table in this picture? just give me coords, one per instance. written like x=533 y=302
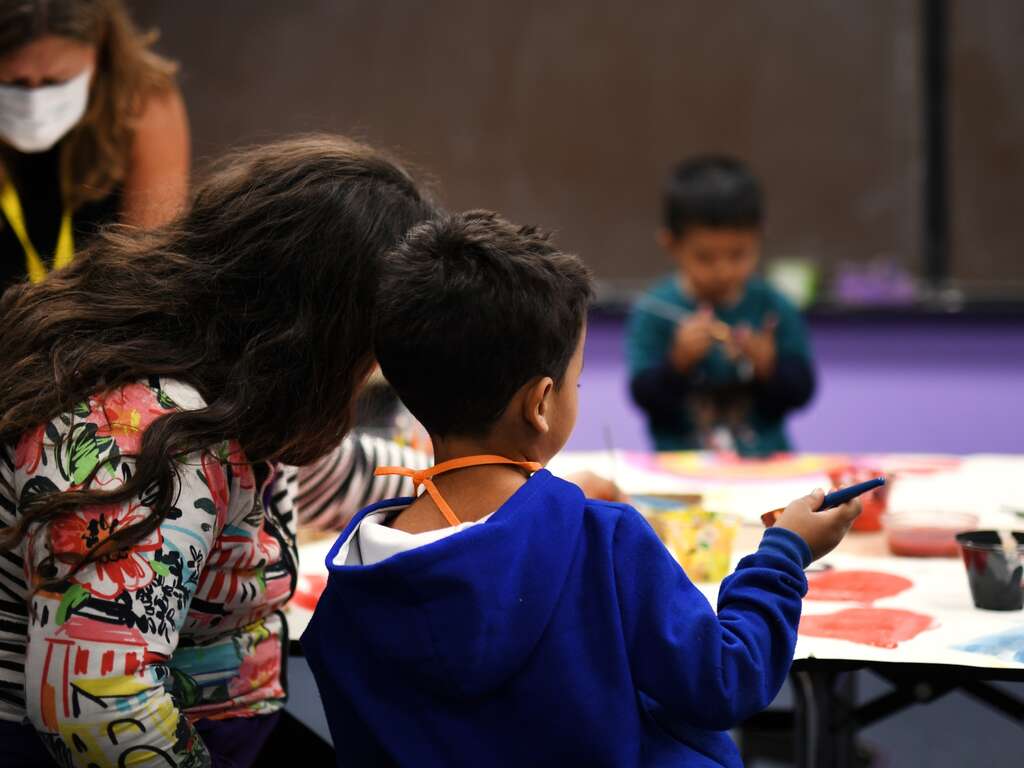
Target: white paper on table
x=747 y=499
x=941 y=591
x=989 y=486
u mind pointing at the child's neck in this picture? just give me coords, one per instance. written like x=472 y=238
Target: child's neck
x=472 y=492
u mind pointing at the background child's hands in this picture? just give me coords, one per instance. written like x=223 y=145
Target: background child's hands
x=758 y=346
x=596 y=487
x=693 y=339
x=821 y=530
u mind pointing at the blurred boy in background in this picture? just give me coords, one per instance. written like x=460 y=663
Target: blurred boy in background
x=717 y=357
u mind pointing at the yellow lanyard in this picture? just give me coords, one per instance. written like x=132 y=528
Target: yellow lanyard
x=11 y=206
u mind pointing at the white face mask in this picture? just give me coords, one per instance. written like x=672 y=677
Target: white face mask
x=34 y=119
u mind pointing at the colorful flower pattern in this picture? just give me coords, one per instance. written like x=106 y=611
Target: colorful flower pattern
x=74 y=536
x=184 y=624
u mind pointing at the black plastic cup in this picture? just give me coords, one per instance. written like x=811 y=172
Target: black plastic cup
x=995 y=581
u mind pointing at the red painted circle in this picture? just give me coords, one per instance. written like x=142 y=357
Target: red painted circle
x=308 y=590
x=880 y=627
x=855 y=586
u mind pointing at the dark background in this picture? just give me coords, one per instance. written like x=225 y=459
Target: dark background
x=567 y=113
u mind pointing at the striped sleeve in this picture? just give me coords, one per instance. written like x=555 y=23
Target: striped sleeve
x=331 y=490
x=13 y=606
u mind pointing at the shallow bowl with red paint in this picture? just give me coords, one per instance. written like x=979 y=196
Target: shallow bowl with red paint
x=926 y=534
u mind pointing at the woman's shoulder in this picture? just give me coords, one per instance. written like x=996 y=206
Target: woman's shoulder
x=101 y=429
x=182 y=396
x=156 y=182
x=160 y=114
x=125 y=412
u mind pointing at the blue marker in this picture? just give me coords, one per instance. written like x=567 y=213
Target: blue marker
x=843 y=495
x=834 y=499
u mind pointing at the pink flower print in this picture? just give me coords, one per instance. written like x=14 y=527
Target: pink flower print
x=76 y=534
x=217 y=482
x=124 y=414
x=241 y=467
x=259 y=669
x=269 y=548
x=29 y=450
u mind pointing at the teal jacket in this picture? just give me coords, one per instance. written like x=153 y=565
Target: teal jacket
x=716 y=396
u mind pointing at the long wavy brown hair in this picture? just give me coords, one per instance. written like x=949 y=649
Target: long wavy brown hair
x=94 y=155
x=260 y=296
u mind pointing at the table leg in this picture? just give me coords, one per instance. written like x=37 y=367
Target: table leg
x=824 y=700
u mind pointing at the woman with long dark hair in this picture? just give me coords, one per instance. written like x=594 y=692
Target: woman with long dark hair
x=155 y=397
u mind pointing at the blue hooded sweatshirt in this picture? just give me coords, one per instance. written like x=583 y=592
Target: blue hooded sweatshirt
x=558 y=632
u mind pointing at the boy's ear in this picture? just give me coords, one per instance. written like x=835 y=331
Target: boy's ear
x=665 y=238
x=537 y=404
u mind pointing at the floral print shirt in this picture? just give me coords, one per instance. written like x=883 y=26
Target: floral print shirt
x=115 y=664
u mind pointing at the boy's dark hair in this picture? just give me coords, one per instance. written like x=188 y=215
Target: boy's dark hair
x=711 y=191
x=470 y=308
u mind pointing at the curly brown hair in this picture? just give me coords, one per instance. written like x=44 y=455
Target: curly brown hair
x=260 y=295
x=94 y=156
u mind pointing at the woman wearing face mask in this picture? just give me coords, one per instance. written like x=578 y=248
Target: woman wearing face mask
x=92 y=131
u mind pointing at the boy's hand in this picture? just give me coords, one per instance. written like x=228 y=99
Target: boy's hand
x=759 y=346
x=821 y=530
x=597 y=487
x=694 y=337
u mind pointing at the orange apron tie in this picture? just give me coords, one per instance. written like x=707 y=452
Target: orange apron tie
x=424 y=476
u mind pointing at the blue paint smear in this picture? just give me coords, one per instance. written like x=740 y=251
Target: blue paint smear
x=1008 y=646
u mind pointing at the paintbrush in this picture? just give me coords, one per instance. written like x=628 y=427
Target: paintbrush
x=834 y=499
x=652 y=305
x=1011 y=549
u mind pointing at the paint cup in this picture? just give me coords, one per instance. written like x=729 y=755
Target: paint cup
x=699 y=540
x=993 y=573
x=873 y=503
x=923 y=534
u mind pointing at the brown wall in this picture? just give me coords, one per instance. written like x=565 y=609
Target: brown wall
x=567 y=113
x=987 y=147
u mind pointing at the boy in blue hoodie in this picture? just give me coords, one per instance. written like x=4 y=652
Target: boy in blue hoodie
x=501 y=618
